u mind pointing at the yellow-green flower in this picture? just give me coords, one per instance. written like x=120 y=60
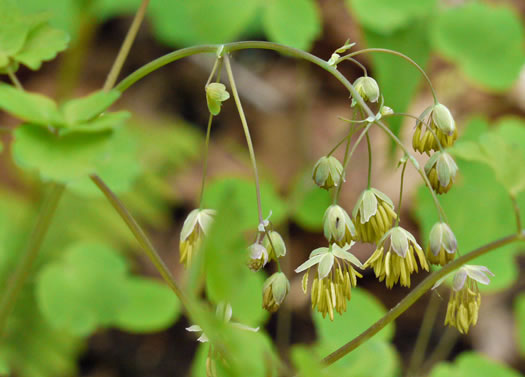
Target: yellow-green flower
x=258 y=256
x=465 y=298
x=367 y=88
x=441 y=170
x=338 y=227
x=373 y=215
x=443 y=244
x=274 y=245
x=328 y=172
x=216 y=94
x=275 y=289
x=394 y=259
x=435 y=121
x=334 y=278
x=193 y=231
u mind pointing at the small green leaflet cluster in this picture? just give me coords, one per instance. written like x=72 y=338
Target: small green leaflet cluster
x=27 y=40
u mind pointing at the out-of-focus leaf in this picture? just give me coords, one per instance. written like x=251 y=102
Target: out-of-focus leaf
x=398 y=79
x=486 y=41
x=83 y=290
x=174 y=22
x=80 y=110
x=473 y=364
x=519 y=314
x=386 y=16
x=307 y=363
x=149 y=306
x=295 y=23
x=476 y=201
x=308 y=203
x=64 y=14
x=243 y=191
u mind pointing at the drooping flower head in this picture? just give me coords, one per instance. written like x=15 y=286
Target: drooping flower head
x=443 y=244
x=441 y=170
x=367 y=88
x=216 y=94
x=258 y=256
x=334 y=278
x=435 y=120
x=338 y=227
x=465 y=298
x=373 y=215
x=275 y=289
x=275 y=245
x=394 y=258
x=193 y=231
x=328 y=172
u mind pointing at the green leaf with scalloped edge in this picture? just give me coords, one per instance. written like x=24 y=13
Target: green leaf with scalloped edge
x=485 y=40
x=61 y=158
x=80 y=110
x=244 y=191
x=148 y=306
x=476 y=201
x=519 y=315
x=474 y=364
x=174 y=21
x=387 y=16
x=83 y=290
x=398 y=79
x=295 y=23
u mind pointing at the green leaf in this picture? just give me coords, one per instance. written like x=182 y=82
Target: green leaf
x=398 y=80
x=386 y=16
x=84 y=109
x=473 y=364
x=243 y=191
x=520 y=319
x=43 y=43
x=476 y=201
x=30 y=107
x=82 y=291
x=104 y=122
x=63 y=14
x=308 y=203
x=486 y=41
x=174 y=21
x=307 y=363
x=61 y=158
x=295 y=23
x=13 y=29
x=149 y=306
x=363 y=310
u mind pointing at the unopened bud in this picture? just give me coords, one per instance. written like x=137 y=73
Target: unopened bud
x=216 y=93
x=275 y=289
x=328 y=172
x=274 y=245
x=441 y=170
x=338 y=227
x=367 y=88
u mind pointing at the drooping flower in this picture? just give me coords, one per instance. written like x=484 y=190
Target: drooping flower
x=216 y=94
x=275 y=289
x=275 y=245
x=443 y=244
x=258 y=256
x=373 y=215
x=328 y=172
x=367 y=88
x=338 y=227
x=465 y=298
x=441 y=170
x=193 y=231
x=435 y=121
x=394 y=260
x=334 y=278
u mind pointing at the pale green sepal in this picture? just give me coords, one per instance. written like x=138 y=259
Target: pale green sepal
x=368 y=206
x=310 y=262
x=399 y=241
x=343 y=253
x=443 y=119
x=325 y=265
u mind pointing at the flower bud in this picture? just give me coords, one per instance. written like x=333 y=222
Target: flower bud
x=373 y=215
x=443 y=120
x=435 y=121
x=338 y=227
x=328 y=172
x=441 y=170
x=443 y=244
x=385 y=110
x=258 y=256
x=216 y=93
x=367 y=88
x=274 y=245
x=194 y=229
x=275 y=289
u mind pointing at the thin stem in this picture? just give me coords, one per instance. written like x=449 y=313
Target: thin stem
x=401 y=191
x=423 y=337
x=14 y=79
x=142 y=239
x=414 y=295
x=369 y=160
x=247 y=134
x=126 y=46
x=26 y=261
x=392 y=52
x=356 y=63
x=443 y=348
x=215 y=65
x=516 y=212
x=205 y=159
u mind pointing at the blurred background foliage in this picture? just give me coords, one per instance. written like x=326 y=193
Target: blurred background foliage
x=95 y=307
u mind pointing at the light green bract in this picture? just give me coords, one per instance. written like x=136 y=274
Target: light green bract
x=27 y=40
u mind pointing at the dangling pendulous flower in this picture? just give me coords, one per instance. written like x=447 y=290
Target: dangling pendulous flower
x=443 y=244
x=435 y=121
x=193 y=231
x=373 y=215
